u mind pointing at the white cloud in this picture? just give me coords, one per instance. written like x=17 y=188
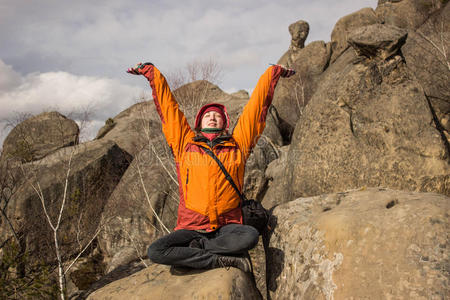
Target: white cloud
x=9 y=78
x=64 y=92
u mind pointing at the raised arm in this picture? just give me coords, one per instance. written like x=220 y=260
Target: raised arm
x=252 y=121
x=174 y=124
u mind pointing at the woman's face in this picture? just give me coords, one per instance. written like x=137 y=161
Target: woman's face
x=212 y=119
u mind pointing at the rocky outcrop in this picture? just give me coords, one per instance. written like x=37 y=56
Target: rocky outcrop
x=142 y=206
x=39 y=136
x=360 y=244
x=292 y=94
x=408 y=14
x=156 y=282
x=369 y=109
x=368 y=124
x=275 y=193
x=83 y=176
x=132 y=128
x=377 y=41
x=92 y=170
x=425 y=53
x=347 y=24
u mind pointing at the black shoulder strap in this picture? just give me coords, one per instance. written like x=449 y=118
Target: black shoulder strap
x=227 y=175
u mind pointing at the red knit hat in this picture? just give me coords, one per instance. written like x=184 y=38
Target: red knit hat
x=219 y=108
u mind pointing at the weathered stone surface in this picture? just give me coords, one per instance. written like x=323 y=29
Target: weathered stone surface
x=273 y=125
x=426 y=54
x=147 y=191
x=39 y=136
x=368 y=124
x=255 y=181
x=377 y=40
x=292 y=94
x=156 y=282
x=408 y=14
x=361 y=244
x=132 y=128
x=345 y=25
x=118 y=273
x=95 y=169
x=275 y=193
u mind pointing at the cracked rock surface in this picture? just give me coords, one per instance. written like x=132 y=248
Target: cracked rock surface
x=360 y=243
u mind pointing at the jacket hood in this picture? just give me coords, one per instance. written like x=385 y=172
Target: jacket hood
x=198 y=118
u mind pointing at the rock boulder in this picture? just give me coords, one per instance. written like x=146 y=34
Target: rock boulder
x=368 y=124
x=361 y=244
x=39 y=136
x=425 y=54
x=292 y=94
x=345 y=25
x=92 y=171
x=156 y=282
x=408 y=14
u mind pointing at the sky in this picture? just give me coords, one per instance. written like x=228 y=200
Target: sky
x=71 y=56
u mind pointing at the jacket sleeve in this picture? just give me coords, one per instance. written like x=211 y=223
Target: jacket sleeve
x=175 y=127
x=253 y=118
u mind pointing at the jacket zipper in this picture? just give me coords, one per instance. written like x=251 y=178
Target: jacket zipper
x=187 y=176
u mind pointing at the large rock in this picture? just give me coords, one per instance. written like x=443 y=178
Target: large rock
x=292 y=94
x=345 y=25
x=374 y=243
x=426 y=56
x=39 y=136
x=142 y=207
x=132 y=128
x=156 y=282
x=408 y=14
x=275 y=193
x=377 y=40
x=255 y=181
x=368 y=124
x=92 y=170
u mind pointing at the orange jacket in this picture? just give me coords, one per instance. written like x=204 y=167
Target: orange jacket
x=207 y=200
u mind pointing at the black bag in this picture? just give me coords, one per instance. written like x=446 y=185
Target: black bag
x=253 y=212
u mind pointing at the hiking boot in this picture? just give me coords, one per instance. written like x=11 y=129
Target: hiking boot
x=242 y=263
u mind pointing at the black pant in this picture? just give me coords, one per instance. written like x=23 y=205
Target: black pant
x=173 y=249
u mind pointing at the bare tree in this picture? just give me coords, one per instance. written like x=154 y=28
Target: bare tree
x=83 y=117
x=192 y=85
x=208 y=69
x=55 y=222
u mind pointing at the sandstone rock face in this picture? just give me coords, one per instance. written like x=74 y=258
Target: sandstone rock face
x=361 y=244
x=273 y=127
x=132 y=128
x=93 y=169
x=156 y=282
x=408 y=14
x=368 y=124
x=143 y=203
x=424 y=52
x=292 y=94
x=275 y=193
x=39 y=136
x=255 y=180
x=377 y=40
x=345 y=25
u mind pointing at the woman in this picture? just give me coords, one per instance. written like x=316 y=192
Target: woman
x=209 y=231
